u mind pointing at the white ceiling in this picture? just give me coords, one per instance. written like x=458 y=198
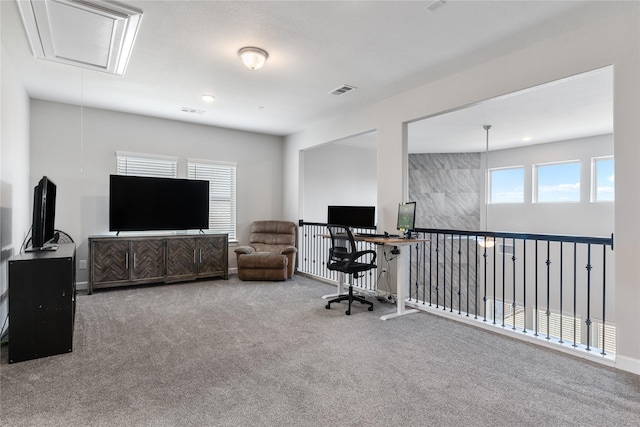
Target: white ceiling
x=186 y=48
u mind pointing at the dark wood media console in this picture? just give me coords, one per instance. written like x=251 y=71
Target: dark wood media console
x=123 y=261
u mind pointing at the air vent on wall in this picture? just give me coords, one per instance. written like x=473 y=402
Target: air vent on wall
x=94 y=34
x=191 y=110
x=342 y=90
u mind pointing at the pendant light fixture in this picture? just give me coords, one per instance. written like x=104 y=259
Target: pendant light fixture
x=487 y=242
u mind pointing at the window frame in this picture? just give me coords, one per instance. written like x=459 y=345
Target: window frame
x=535 y=193
x=146 y=165
x=490 y=184
x=594 y=179
x=231 y=227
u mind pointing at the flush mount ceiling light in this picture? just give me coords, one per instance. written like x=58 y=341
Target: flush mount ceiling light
x=206 y=97
x=94 y=34
x=253 y=57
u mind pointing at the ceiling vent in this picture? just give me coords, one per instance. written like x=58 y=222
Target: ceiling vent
x=431 y=7
x=342 y=90
x=191 y=110
x=93 y=34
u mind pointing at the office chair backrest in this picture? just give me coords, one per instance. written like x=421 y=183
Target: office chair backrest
x=343 y=246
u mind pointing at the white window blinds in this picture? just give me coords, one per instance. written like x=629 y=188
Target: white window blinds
x=222 y=193
x=146 y=165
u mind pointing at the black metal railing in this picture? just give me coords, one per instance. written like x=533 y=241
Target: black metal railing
x=314 y=252
x=554 y=287
x=547 y=285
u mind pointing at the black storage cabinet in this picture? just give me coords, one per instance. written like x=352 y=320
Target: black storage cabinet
x=42 y=303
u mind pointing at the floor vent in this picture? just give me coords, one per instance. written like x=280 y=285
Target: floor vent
x=342 y=90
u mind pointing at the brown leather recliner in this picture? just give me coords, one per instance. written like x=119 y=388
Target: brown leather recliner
x=271 y=253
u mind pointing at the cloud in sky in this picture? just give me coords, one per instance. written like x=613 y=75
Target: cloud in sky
x=561 y=188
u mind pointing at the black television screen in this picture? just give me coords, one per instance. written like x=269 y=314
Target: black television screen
x=352 y=216
x=407 y=216
x=144 y=204
x=44 y=213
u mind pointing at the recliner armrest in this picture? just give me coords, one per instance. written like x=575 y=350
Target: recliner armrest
x=244 y=250
x=289 y=250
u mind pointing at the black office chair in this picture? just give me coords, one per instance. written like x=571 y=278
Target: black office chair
x=343 y=257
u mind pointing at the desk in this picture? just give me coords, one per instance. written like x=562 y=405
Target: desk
x=403 y=267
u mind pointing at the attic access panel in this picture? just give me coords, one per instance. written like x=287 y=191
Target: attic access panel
x=93 y=34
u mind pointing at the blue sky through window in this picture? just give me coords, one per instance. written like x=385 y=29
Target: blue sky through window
x=507 y=185
x=558 y=182
x=604 y=179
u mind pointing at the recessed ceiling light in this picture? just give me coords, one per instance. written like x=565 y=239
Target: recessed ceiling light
x=208 y=97
x=527 y=138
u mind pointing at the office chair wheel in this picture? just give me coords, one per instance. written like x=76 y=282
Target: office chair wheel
x=348 y=312
x=370 y=308
x=328 y=306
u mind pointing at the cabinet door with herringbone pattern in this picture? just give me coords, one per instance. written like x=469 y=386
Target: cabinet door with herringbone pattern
x=148 y=259
x=181 y=257
x=110 y=261
x=213 y=255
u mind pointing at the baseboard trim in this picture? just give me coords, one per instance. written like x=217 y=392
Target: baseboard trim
x=628 y=364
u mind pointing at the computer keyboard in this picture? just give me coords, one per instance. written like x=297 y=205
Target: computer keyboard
x=376 y=235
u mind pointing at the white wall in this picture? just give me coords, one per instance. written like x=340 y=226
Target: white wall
x=584 y=218
x=80 y=167
x=15 y=192
x=613 y=41
x=337 y=174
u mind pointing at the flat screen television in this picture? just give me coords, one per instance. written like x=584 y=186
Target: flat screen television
x=352 y=216
x=407 y=216
x=146 y=204
x=44 y=214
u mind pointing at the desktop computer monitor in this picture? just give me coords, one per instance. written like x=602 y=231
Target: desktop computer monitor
x=407 y=216
x=352 y=216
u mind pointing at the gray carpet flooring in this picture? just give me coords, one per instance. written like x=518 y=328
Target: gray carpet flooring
x=231 y=353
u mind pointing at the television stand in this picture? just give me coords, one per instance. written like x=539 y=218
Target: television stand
x=133 y=260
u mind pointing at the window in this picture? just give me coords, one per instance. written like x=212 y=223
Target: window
x=609 y=343
x=603 y=179
x=146 y=165
x=559 y=326
x=513 y=315
x=506 y=185
x=557 y=182
x=222 y=193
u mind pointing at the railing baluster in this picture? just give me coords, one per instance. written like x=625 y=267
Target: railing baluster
x=513 y=260
x=548 y=312
x=588 y=321
x=504 y=273
x=524 y=285
x=536 y=314
x=468 y=267
x=560 y=274
x=604 y=296
x=494 y=281
x=484 y=298
x=452 y=280
x=575 y=292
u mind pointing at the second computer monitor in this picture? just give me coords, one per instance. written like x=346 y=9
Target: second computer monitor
x=352 y=216
x=407 y=216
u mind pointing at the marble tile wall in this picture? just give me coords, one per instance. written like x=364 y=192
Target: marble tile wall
x=447 y=189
